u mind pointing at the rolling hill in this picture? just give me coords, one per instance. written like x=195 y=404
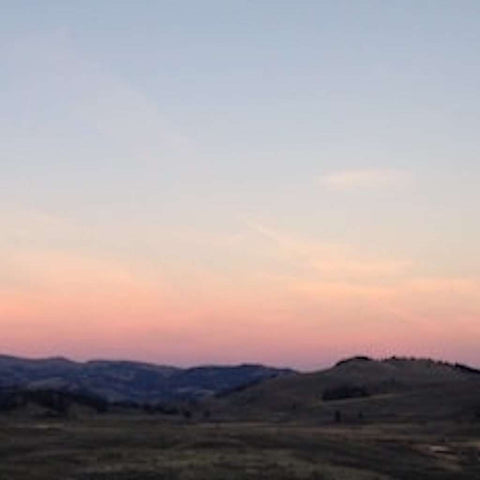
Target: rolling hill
x=360 y=389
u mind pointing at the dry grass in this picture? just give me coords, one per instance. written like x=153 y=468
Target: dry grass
x=144 y=448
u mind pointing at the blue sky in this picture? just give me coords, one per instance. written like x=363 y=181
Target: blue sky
x=162 y=138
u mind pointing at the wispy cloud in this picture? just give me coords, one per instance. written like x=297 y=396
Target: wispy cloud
x=330 y=261
x=365 y=179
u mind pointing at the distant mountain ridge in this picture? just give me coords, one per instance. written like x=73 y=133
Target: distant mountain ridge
x=127 y=381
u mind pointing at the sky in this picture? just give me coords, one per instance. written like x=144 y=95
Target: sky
x=286 y=182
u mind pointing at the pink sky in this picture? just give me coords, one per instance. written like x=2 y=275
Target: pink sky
x=294 y=309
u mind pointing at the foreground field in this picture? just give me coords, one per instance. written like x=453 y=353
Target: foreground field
x=149 y=448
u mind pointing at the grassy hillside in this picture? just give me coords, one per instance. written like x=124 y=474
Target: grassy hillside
x=361 y=389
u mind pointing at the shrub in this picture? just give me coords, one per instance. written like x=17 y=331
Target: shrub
x=344 y=391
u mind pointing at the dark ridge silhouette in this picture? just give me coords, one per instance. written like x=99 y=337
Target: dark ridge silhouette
x=125 y=381
x=359 y=358
x=467 y=369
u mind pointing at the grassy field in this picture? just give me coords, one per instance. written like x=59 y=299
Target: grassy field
x=148 y=447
